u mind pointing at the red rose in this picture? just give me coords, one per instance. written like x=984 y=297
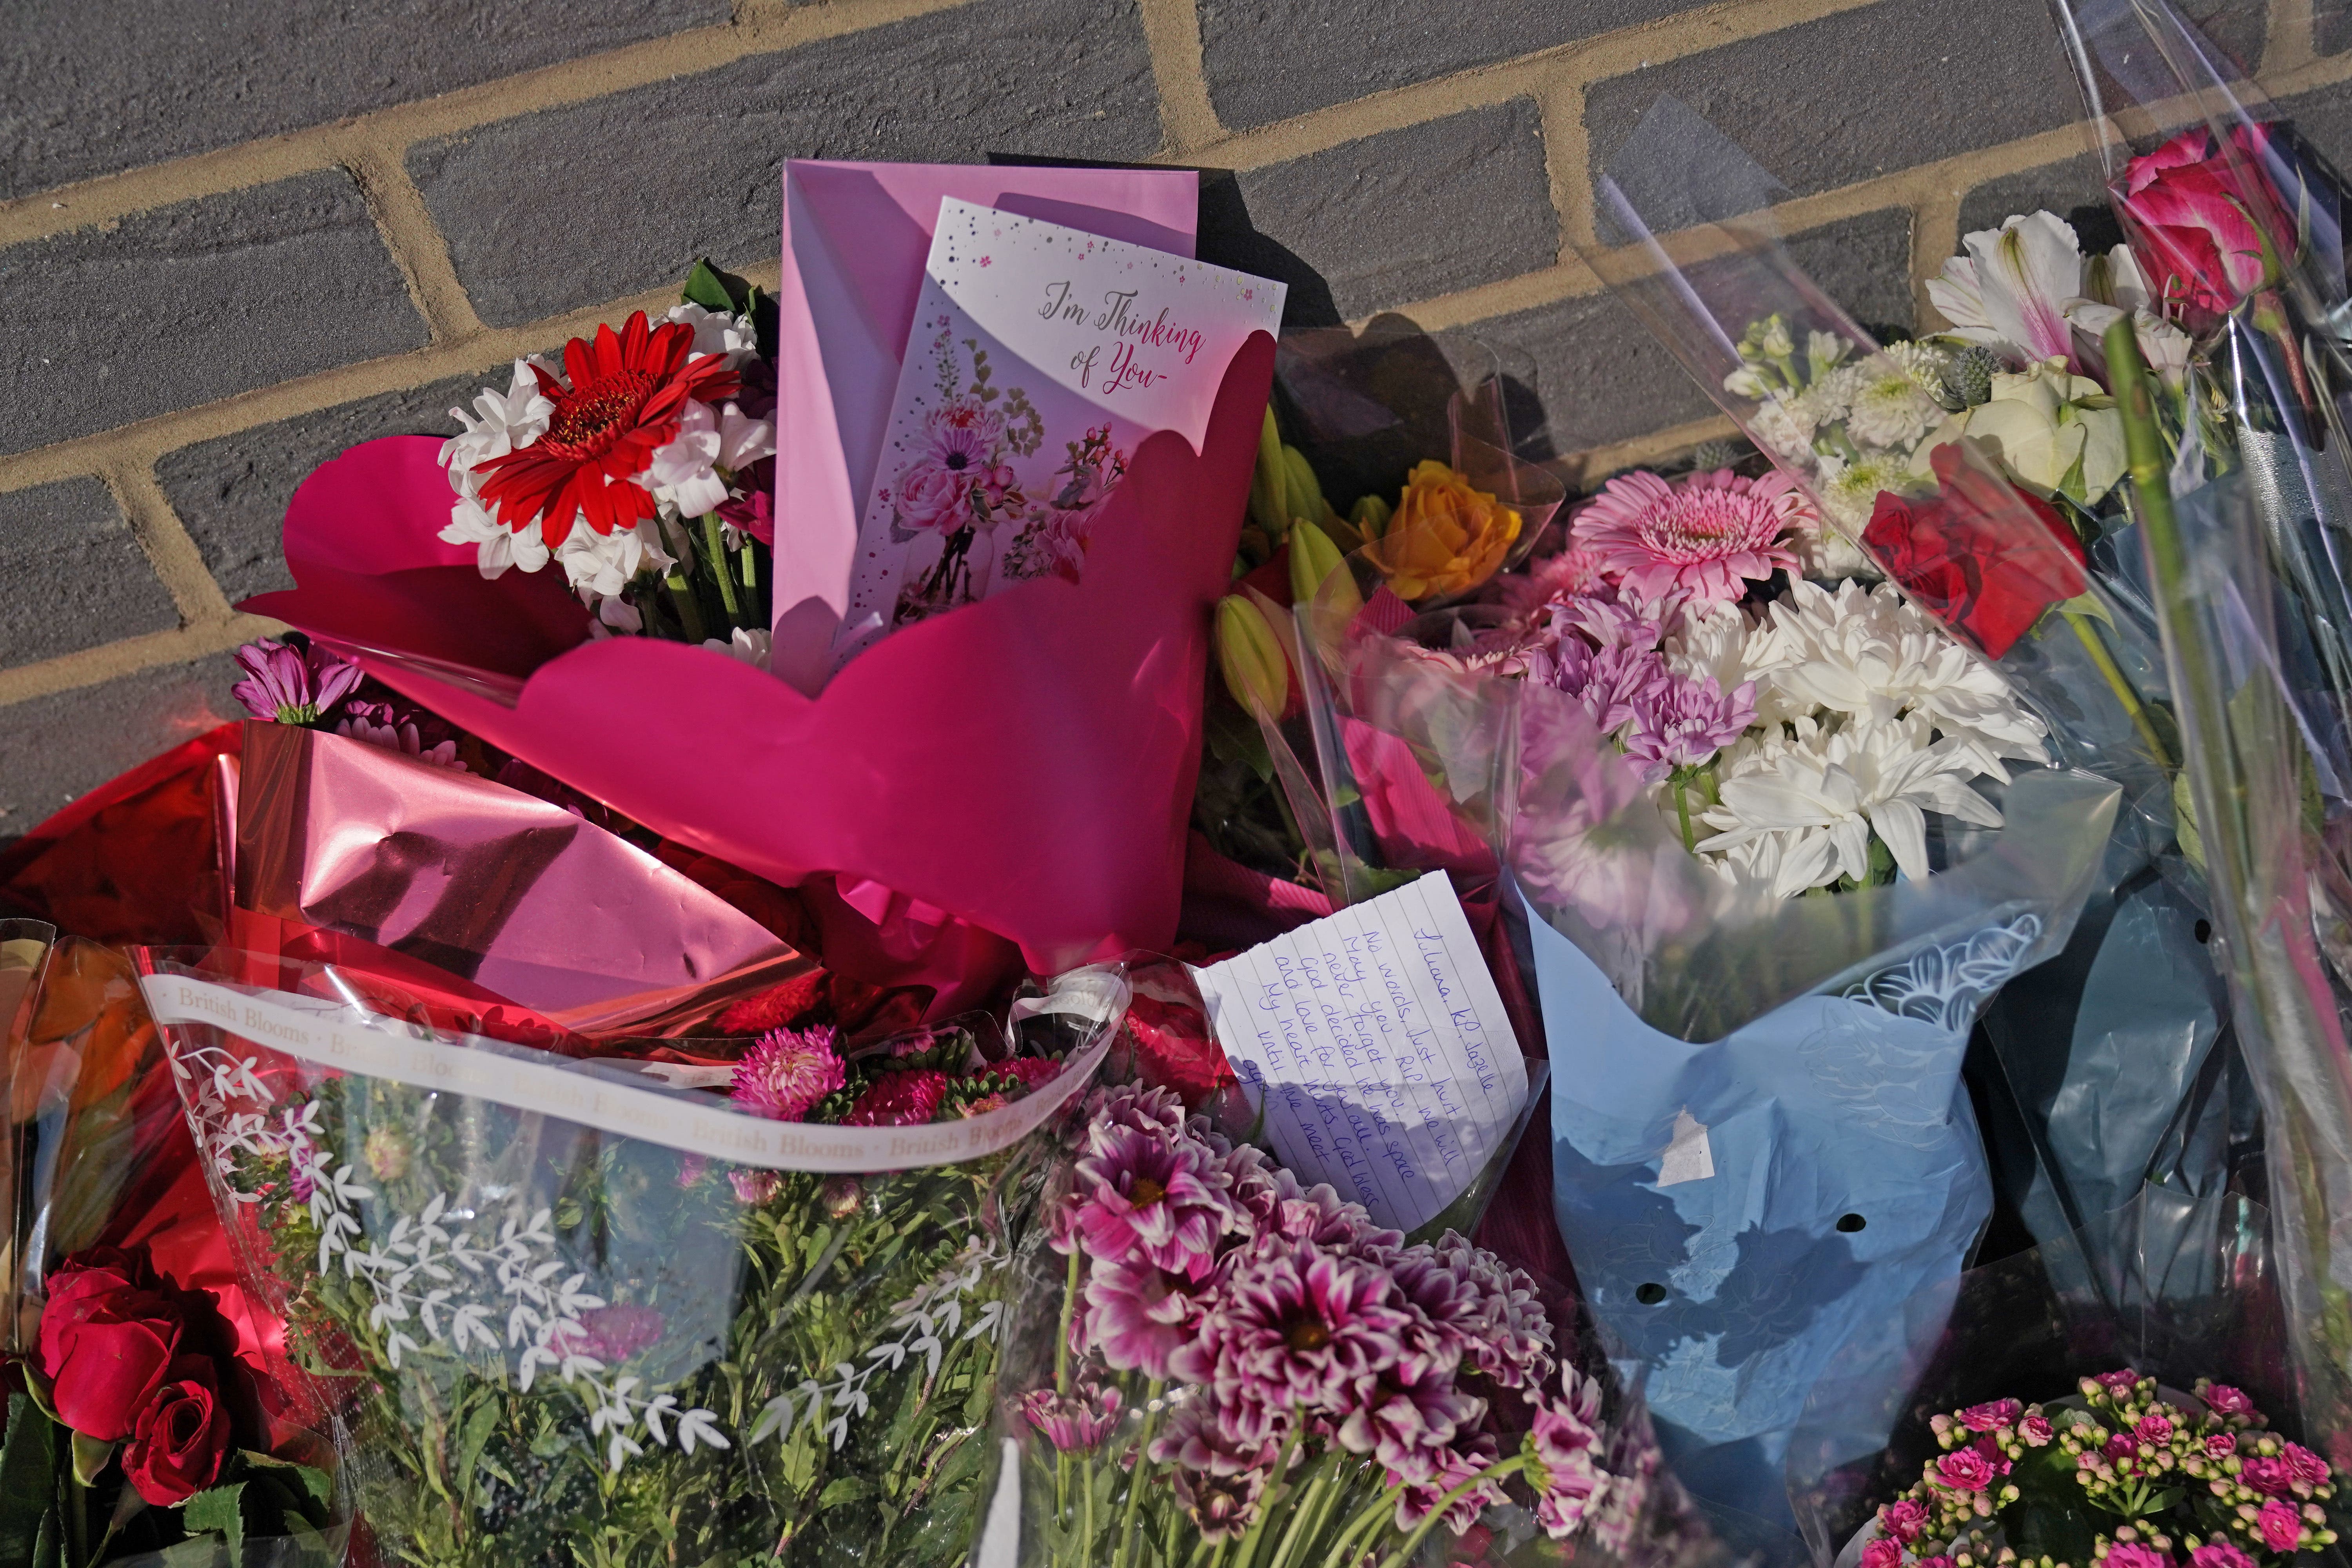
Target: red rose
x=176 y=1448
x=1174 y=1048
x=2198 y=217
x=109 y=1332
x=1982 y=557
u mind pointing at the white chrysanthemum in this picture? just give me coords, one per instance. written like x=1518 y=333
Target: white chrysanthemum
x=602 y=563
x=1783 y=426
x=1829 y=792
x=742 y=440
x=1871 y=655
x=1830 y=396
x=1889 y=409
x=1924 y=362
x=718 y=333
x=498 y=547
x=1849 y=490
x=683 y=474
x=500 y=423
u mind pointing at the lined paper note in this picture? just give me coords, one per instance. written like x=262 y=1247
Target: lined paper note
x=1377 y=1045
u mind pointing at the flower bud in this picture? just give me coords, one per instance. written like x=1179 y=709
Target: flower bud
x=1251 y=658
x=1319 y=579
x=1370 y=515
x=1306 y=494
x=1269 y=483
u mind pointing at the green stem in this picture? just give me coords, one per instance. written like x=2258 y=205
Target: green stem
x=1366 y=1520
x=1398 y=1558
x=1135 y=1476
x=1682 y=810
x=2096 y=647
x=715 y=554
x=1069 y=1310
x=1310 y=1504
x=1248 y=1553
x=77 y=1513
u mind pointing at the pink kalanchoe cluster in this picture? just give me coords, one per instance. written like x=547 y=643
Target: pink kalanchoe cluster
x=787 y=1072
x=2197 y=1473
x=1279 y=1319
x=1706 y=537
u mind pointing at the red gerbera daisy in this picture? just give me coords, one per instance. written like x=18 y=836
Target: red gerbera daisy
x=628 y=390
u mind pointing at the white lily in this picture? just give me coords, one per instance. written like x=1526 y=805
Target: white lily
x=2011 y=289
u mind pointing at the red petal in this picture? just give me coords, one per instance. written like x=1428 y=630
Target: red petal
x=579 y=365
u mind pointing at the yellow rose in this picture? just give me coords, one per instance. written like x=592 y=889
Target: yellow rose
x=1443 y=537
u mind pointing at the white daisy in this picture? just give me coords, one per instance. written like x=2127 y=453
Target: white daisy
x=498 y=546
x=500 y=423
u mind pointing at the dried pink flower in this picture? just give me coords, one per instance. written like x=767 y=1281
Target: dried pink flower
x=787 y=1072
x=1707 y=536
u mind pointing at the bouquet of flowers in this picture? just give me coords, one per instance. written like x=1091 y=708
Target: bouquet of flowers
x=564 y=1309
x=142 y=1412
x=2122 y=1471
x=1230 y=1361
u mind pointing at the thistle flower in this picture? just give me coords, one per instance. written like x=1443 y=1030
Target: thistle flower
x=1705 y=537
x=787 y=1071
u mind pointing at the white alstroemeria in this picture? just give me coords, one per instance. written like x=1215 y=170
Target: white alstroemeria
x=684 y=473
x=615 y=617
x=498 y=546
x=743 y=440
x=1829 y=792
x=745 y=646
x=718 y=333
x=500 y=423
x=2116 y=288
x=2010 y=290
x=1823 y=350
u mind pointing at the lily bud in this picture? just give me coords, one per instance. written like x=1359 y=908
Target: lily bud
x=1270 y=483
x=1305 y=498
x=1370 y=517
x=1251 y=658
x=1319 y=578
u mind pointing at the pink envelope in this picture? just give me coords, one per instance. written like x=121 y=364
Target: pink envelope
x=855 y=239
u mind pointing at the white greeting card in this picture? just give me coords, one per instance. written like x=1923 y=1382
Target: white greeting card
x=1377 y=1045
x=1039 y=358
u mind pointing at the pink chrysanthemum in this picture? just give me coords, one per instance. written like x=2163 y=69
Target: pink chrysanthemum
x=1139 y=1194
x=1561 y=1448
x=1297 y=1329
x=1608 y=682
x=787 y=1071
x=1404 y=1418
x=1681 y=723
x=1706 y=536
x=1074 y=1422
x=1138 y=1315
x=1450 y=1468
x=1160 y=1110
x=292 y=685
x=1508 y=1337
x=1219 y=1482
x=899 y=1099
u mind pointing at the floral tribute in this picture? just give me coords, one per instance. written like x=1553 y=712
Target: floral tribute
x=1252 y=1371
x=541 y=1340
x=2121 y=1473
x=642 y=463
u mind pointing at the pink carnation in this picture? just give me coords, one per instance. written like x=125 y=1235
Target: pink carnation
x=1706 y=537
x=2153 y=1429
x=2309 y=1468
x=787 y=1072
x=2223 y=1400
x=2221 y=1445
x=1991 y=1416
x=2035 y=1429
x=2220 y=1554
x=2119 y=1384
x=2267 y=1475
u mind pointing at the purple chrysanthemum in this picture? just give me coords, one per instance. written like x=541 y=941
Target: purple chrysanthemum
x=1138 y=1315
x=1297 y=1329
x=1508 y=1338
x=1139 y=1194
x=1403 y=1417
x=291 y=685
x=1561 y=1449
x=1219 y=1482
x=1683 y=723
x=787 y=1071
x=1074 y=1422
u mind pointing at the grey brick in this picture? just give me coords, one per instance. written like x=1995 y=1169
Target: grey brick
x=2331 y=27
x=71 y=576
x=54 y=748
x=2324 y=118
x=1268 y=59
x=88 y=89
x=2075 y=189
x=1405 y=214
x=1860 y=94
x=1600 y=378
x=232 y=493
x=570 y=206
x=187 y=304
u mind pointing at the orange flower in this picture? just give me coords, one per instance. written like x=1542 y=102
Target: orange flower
x=1443 y=537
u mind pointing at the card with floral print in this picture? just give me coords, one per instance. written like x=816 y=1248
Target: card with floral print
x=1039 y=357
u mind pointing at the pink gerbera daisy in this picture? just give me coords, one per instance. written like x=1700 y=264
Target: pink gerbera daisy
x=1706 y=537
x=787 y=1071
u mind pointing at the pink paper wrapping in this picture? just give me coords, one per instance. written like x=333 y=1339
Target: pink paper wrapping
x=521 y=898
x=1024 y=764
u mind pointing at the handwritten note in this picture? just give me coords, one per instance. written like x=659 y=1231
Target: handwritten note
x=1378 y=1046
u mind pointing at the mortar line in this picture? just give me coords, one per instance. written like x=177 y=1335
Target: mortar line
x=1595 y=462
x=164 y=540
x=1567 y=149
x=416 y=244
x=1188 y=118
x=92 y=666
x=1935 y=239
x=148 y=439
x=761 y=28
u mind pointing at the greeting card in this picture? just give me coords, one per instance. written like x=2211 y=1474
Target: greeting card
x=1039 y=357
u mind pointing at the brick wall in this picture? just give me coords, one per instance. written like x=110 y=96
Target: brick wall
x=238 y=237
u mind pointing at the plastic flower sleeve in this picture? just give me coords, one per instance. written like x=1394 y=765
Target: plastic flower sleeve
x=549 y=1300
x=2273 y=856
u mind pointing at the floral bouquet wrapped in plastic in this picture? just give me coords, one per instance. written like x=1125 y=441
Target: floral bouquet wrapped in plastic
x=561 y=1307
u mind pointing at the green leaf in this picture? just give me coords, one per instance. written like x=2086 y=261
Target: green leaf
x=28 y=1478
x=705 y=287
x=90 y=1457
x=471 y=1442
x=221 y=1508
x=309 y=1491
x=848 y=1488
x=48 y=1541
